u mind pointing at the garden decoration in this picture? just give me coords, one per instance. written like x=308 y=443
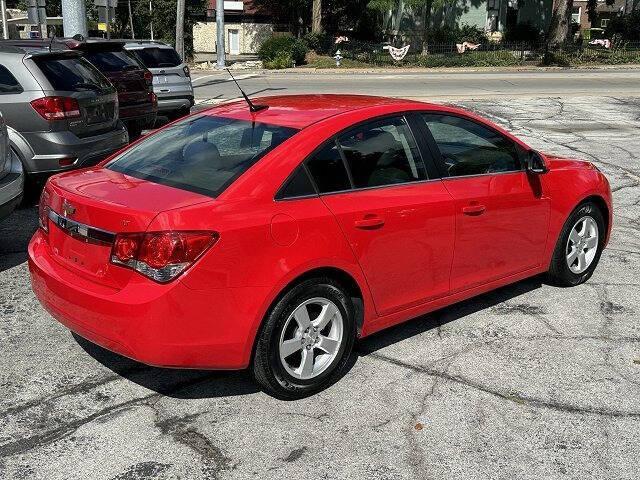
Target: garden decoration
x=464 y=46
x=397 y=53
x=603 y=42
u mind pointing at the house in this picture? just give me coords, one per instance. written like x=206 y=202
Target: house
x=246 y=27
x=493 y=16
x=606 y=10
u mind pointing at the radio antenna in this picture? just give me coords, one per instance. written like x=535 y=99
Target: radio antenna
x=252 y=106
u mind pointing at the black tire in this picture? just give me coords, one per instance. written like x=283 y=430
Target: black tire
x=176 y=114
x=559 y=273
x=135 y=131
x=268 y=369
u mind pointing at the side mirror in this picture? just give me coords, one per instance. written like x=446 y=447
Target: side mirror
x=535 y=163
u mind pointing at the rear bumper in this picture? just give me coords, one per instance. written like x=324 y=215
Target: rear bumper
x=166 y=325
x=172 y=104
x=51 y=147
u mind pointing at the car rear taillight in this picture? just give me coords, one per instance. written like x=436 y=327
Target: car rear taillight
x=153 y=98
x=56 y=108
x=186 y=71
x=43 y=211
x=148 y=77
x=161 y=256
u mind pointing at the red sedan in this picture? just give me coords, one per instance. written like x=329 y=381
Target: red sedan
x=272 y=238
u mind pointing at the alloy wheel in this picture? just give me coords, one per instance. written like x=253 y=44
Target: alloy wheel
x=311 y=338
x=582 y=244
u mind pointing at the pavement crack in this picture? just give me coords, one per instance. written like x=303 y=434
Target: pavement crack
x=517 y=398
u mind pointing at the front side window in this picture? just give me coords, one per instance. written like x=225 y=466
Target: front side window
x=8 y=83
x=468 y=148
x=203 y=154
x=382 y=153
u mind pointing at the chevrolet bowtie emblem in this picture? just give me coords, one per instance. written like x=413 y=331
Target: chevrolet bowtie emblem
x=67 y=208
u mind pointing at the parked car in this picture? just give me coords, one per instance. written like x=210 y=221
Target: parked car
x=137 y=104
x=61 y=112
x=11 y=173
x=171 y=76
x=274 y=238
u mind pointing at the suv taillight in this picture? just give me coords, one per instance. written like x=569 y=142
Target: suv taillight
x=186 y=71
x=153 y=98
x=148 y=77
x=56 y=108
x=161 y=256
x=43 y=211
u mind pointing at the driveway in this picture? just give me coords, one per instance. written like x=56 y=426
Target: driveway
x=527 y=382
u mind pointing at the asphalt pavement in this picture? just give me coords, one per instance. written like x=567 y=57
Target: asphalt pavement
x=527 y=382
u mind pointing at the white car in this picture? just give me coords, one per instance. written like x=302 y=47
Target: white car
x=11 y=174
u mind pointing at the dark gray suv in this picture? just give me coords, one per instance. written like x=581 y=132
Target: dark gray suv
x=61 y=112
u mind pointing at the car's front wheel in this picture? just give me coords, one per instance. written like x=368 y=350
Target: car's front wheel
x=306 y=339
x=579 y=246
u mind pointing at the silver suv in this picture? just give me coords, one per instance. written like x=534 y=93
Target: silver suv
x=171 y=76
x=11 y=176
x=61 y=112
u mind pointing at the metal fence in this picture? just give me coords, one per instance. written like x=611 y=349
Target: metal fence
x=490 y=54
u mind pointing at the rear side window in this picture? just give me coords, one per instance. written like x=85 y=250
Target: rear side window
x=112 y=61
x=328 y=170
x=468 y=148
x=72 y=74
x=202 y=154
x=298 y=185
x=382 y=153
x=8 y=83
x=158 y=57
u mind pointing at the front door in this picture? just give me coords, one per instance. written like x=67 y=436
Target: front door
x=399 y=224
x=234 y=42
x=502 y=213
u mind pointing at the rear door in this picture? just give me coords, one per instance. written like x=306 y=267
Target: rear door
x=72 y=76
x=398 y=222
x=502 y=213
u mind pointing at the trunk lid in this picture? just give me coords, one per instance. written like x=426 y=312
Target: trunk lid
x=91 y=206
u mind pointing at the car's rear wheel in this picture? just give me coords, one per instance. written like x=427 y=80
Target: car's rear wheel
x=579 y=246
x=306 y=339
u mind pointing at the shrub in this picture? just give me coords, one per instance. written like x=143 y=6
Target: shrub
x=456 y=34
x=277 y=49
x=625 y=27
x=318 y=42
x=281 y=60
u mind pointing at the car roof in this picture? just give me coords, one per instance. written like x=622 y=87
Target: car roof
x=136 y=44
x=58 y=43
x=300 y=111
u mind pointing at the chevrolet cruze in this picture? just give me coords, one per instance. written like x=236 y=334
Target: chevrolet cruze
x=273 y=237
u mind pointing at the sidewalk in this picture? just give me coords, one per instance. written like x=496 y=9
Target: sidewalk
x=411 y=70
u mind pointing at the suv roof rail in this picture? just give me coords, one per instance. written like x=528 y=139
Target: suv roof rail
x=130 y=41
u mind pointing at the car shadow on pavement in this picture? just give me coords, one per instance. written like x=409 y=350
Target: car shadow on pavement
x=445 y=315
x=195 y=384
x=173 y=382
x=15 y=233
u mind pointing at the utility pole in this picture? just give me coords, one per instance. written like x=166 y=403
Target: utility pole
x=180 y=28
x=5 y=25
x=74 y=16
x=108 y=20
x=151 y=18
x=220 y=34
x=133 y=34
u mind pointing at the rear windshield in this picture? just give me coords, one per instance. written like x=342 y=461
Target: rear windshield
x=72 y=74
x=112 y=61
x=202 y=154
x=158 y=57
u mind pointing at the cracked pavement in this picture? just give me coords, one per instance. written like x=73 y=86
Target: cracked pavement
x=529 y=381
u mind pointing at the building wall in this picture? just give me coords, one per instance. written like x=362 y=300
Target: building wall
x=251 y=36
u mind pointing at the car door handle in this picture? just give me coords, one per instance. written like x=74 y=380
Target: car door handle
x=369 y=222
x=474 y=209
